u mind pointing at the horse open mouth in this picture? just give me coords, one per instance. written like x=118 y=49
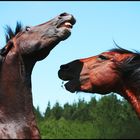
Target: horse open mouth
x=70 y=72
x=71 y=82
x=72 y=85
x=67 y=24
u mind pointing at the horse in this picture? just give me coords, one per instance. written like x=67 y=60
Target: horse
x=24 y=47
x=116 y=70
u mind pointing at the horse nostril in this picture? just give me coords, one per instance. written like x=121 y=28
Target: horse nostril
x=64 y=67
x=64 y=14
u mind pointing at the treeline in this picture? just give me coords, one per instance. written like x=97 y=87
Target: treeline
x=106 y=118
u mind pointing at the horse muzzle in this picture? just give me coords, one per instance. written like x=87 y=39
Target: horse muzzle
x=71 y=72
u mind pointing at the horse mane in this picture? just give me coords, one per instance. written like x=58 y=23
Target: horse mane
x=120 y=50
x=9 y=34
x=130 y=68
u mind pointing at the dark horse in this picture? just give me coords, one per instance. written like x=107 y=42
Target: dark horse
x=25 y=46
x=117 y=70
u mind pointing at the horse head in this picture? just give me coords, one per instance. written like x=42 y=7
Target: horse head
x=37 y=41
x=117 y=70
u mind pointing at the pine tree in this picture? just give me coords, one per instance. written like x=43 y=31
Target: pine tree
x=38 y=114
x=47 y=113
x=56 y=111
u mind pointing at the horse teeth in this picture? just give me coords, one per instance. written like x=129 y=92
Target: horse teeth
x=68 y=24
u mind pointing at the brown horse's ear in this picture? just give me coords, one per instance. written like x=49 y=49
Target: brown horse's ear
x=6 y=49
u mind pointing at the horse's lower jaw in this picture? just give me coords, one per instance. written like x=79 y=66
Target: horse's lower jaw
x=72 y=86
x=64 y=33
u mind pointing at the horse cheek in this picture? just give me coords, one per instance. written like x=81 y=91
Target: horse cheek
x=86 y=87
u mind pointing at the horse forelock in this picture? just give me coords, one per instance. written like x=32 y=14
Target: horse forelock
x=9 y=34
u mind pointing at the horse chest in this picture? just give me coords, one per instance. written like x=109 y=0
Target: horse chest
x=14 y=130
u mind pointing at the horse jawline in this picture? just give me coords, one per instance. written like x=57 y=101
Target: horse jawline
x=73 y=85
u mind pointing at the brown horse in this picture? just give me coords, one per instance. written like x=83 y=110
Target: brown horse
x=25 y=46
x=117 y=70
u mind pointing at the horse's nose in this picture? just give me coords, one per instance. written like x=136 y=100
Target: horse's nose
x=64 y=14
x=70 y=70
x=71 y=66
x=69 y=17
x=64 y=67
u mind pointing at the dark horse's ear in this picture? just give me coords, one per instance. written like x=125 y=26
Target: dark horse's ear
x=6 y=49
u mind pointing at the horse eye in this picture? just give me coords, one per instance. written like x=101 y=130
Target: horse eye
x=27 y=28
x=102 y=57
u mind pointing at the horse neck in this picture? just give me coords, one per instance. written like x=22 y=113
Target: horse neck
x=133 y=96
x=16 y=96
x=15 y=87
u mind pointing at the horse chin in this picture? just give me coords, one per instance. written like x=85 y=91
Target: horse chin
x=73 y=86
x=64 y=33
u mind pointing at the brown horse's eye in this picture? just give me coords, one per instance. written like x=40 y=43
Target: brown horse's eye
x=27 y=28
x=102 y=57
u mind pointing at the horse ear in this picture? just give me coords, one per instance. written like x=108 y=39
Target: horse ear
x=6 y=49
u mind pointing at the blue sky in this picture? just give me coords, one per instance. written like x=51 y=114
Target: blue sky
x=98 y=24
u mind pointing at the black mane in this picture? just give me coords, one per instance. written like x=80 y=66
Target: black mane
x=130 y=68
x=10 y=33
x=120 y=50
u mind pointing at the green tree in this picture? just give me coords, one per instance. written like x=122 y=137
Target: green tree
x=47 y=113
x=68 y=111
x=106 y=118
x=81 y=112
x=38 y=114
x=57 y=111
